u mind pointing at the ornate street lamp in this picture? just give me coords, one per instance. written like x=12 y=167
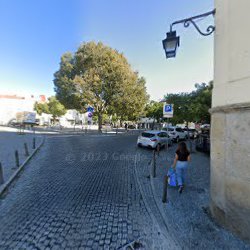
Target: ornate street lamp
x=172 y=42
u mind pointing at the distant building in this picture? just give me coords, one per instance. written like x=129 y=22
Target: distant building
x=146 y=123
x=10 y=105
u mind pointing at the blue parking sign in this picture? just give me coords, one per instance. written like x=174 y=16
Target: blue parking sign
x=168 y=108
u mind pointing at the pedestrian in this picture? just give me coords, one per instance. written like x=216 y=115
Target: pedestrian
x=126 y=126
x=182 y=157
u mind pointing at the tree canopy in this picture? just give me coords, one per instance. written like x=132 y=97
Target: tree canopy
x=41 y=108
x=56 y=109
x=101 y=77
x=188 y=107
x=193 y=106
x=53 y=107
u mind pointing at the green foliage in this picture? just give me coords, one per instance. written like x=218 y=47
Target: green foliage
x=41 y=108
x=182 y=108
x=56 y=109
x=99 y=76
x=192 y=107
x=65 y=89
x=53 y=107
x=154 y=110
x=202 y=100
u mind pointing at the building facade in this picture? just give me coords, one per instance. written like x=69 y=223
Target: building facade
x=10 y=105
x=230 y=137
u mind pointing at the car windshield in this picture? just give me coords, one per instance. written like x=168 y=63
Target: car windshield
x=179 y=130
x=148 y=135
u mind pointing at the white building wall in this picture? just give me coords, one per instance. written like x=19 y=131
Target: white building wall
x=9 y=108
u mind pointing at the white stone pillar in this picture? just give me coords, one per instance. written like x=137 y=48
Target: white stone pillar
x=230 y=130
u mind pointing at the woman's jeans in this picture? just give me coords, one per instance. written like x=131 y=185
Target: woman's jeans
x=181 y=171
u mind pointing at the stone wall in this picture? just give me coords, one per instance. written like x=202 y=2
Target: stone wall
x=230 y=130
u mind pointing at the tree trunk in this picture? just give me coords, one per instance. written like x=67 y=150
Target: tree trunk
x=153 y=125
x=99 y=122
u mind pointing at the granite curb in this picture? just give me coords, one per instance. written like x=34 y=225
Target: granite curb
x=164 y=229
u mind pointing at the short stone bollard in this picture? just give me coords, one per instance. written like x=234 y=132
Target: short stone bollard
x=17 y=158
x=26 y=149
x=154 y=165
x=165 y=190
x=34 y=142
x=1 y=174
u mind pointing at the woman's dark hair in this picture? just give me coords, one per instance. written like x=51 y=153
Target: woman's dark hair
x=182 y=147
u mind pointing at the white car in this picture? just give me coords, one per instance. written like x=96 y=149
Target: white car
x=153 y=139
x=176 y=133
x=193 y=133
x=205 y=126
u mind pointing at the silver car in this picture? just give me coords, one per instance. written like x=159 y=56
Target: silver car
x=153 y=139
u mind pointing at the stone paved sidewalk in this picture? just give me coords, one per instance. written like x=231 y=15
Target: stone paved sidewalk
x=11 y=141
x=185 y=215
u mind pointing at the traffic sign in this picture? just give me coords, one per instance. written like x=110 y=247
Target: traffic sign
x=168 y=110
x=90 y=109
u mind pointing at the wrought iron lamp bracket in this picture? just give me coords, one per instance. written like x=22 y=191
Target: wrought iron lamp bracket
x=186 y=22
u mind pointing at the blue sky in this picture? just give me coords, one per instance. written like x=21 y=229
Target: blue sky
x=34 y=34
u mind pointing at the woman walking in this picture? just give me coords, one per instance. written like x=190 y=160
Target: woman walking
x=182 y=157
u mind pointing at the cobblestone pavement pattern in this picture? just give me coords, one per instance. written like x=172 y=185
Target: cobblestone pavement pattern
x=185 y=215
x=11 y=141
x=79 y=192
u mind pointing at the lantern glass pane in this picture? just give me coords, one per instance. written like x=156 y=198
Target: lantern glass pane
x=170 y=45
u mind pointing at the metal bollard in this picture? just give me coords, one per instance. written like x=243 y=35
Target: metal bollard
x=26 y=149
x=1 y=174
x=34 y=143
x=165 y=190
x=158 y=150
x=154 y=166
x=17 y=158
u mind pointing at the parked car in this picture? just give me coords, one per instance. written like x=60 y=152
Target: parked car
x=193 y=133
x=176 y=133
x=205 y=126
x=131 y=126
x=154 y=139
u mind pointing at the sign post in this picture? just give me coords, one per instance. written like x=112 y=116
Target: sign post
x=168 y=112
x=90 y=111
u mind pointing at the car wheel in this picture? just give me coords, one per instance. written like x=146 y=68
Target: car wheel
x=139 y=145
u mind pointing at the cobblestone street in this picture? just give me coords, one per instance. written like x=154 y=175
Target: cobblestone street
x=80 y=192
